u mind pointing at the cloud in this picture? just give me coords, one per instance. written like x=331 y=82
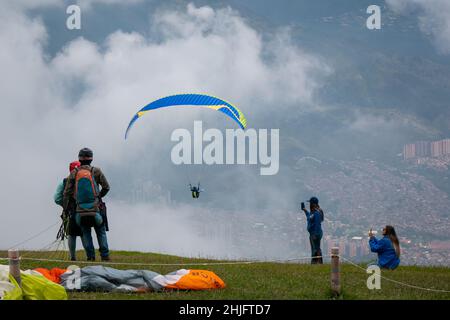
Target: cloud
x=364 y=122
x=434 y=19
x=84 y=4
x=88 y=4
x=31 y=4
x=161 y=229
x=87 y=93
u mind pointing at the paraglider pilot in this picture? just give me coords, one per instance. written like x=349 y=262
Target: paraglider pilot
x=195 y=190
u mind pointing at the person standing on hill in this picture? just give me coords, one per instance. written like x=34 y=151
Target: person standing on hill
x=73 y=230
x=388 y=248
x=83 y=186
x=314 y=219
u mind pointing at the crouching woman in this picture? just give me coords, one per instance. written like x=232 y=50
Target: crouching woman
x=387 y=248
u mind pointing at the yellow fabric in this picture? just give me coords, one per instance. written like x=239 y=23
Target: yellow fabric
x=40 y=288
x=15 y=294
x=217 y=107
x=198 y=280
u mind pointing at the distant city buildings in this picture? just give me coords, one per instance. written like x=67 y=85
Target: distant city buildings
x=421 y=149
x=356 y=247
x=440 y=148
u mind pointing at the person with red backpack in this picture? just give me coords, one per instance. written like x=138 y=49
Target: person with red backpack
x=83 y=186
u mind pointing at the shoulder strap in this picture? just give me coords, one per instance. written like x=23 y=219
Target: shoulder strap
x=75 y=191
x=93 y=170
x=94 y=181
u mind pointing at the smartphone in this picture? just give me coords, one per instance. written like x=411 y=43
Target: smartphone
x=303 y=205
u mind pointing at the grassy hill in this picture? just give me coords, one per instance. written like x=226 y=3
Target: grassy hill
x=254 y=281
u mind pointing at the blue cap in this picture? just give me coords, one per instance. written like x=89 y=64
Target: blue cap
x=313 y=200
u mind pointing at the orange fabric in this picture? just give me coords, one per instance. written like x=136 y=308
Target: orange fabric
x=53 y=274
x=198 y=280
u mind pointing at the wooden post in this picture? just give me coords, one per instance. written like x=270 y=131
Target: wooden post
x=335 y=272
x=14 y=264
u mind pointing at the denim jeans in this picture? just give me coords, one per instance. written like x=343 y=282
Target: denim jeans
x=72 y=241
x=86 y=238
x=314 y=240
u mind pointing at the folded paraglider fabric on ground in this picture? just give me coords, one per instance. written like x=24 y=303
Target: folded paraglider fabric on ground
x=37 y=287
x=52 y=274
x=45 y=284
x=8 y=289
x=99 y=278
x=34 y=287
x=193 y=280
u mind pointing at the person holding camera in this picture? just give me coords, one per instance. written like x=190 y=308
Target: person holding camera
x=314 y=219
x=387 y=248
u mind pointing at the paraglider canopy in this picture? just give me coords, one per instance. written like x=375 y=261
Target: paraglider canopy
x=199 y=100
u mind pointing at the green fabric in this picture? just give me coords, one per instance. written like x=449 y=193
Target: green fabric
x=40 y=288
x=16 y=294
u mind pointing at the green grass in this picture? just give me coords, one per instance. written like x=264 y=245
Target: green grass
x=289 y=281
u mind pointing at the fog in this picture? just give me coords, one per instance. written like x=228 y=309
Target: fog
x=85 y=93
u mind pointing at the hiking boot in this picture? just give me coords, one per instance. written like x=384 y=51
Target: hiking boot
x=107 y=258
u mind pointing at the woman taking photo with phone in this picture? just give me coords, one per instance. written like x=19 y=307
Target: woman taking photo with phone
x=388 y=248
x=314 y=219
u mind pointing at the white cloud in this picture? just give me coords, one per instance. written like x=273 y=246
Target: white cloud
x=87 y=4
x=434 y=18
x=84 y=4
x=31 y=4
x=161 y=229
x=88 y=92
x=204 y=13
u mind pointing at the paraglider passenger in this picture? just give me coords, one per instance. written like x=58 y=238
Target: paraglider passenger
x=388 y=248
x=73 y=230
x=83 y=185
x=314 y=219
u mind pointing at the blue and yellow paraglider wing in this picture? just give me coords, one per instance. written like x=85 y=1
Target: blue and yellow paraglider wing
x=199 y=100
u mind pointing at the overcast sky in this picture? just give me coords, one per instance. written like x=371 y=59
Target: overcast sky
x=62 y=90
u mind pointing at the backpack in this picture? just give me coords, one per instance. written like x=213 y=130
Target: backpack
x=86 y=190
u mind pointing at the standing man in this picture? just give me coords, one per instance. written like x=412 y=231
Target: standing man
x=83 y=186
x=314 y=219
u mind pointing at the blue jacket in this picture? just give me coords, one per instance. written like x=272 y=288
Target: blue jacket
x=387 y=258
x=314 y=222
x=58 y=197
